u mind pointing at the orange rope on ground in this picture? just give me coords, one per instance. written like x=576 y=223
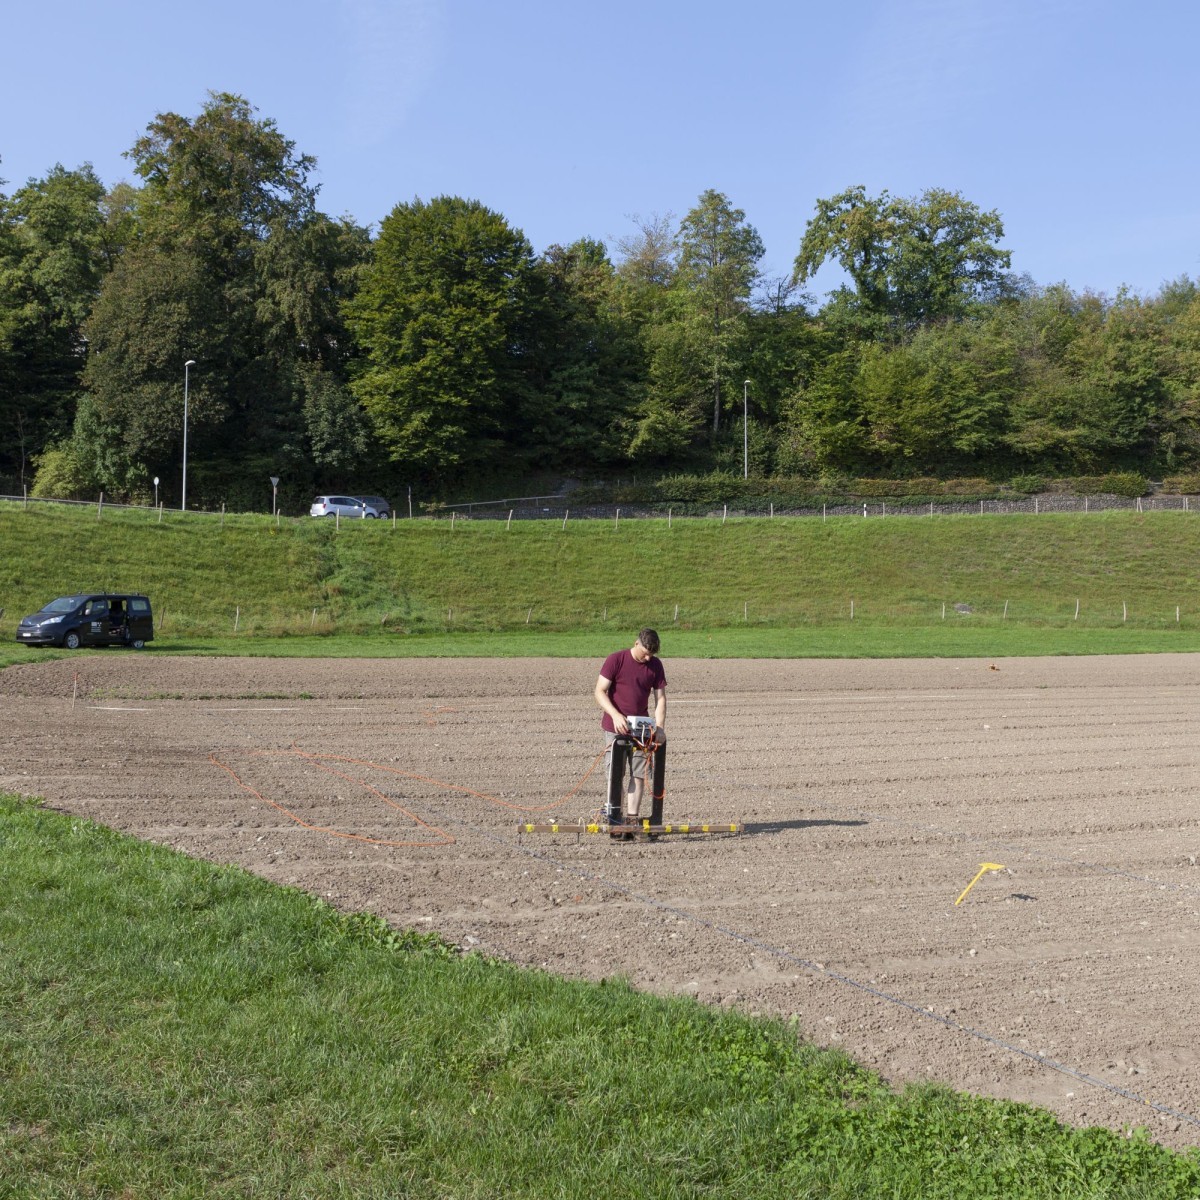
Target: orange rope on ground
x=449 y=787
x=445 y=839
x=319 y=760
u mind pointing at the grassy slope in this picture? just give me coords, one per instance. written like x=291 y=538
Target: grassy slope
x=170 y=1028
x=780 y=587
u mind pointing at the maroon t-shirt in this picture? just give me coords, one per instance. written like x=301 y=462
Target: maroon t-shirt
x=632 y=683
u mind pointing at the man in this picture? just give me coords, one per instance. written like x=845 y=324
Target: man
x=116 y=620
x=627 y=680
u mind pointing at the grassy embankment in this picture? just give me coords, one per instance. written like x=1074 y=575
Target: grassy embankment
x=173 y=1029
x=750 y=587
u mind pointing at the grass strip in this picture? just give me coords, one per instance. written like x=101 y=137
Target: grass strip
x=863 y=641
x=846 y=586
x=171 y=1028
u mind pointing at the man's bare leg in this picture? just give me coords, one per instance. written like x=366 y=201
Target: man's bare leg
x=633 y=798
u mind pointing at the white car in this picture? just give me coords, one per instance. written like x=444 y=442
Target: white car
x=346 y=506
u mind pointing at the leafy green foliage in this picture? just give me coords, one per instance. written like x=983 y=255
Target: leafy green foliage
x=1094 y=380
x=912 y=261
x=1117 y=483
x=586 y=361
x=441 y=316
x=469 y=358
x=337 y=427
x=718 y=264
x=154 y=309
x=1182 y=484
x=234 y=268
x=220 y=179
x=55 y=247
x=697 y=338
x=61 y=473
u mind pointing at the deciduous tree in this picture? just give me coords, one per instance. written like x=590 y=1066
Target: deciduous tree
x=233 y=266
x=55 y=248
x=586 y=360
x=910 y=260
x=442 y=317
x=718 y=264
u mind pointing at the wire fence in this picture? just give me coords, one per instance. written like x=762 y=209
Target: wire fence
x=558 y=508
x=181 y=621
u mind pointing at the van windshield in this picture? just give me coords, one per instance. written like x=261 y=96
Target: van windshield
x=64 y=604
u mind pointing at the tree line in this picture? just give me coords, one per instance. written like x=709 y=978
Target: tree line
x=441 y=350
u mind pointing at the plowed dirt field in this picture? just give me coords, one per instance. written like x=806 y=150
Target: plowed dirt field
x=871 y=793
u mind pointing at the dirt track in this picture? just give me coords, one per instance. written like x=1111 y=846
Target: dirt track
x=872 y=792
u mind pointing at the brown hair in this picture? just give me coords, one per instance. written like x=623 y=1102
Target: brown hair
x=649 y=639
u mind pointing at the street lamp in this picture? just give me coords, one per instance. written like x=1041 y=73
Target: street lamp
x=191 y=362
x=156 y=491
x=274 y=493
x=745 y=429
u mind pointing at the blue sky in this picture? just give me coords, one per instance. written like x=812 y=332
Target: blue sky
x=1075 y=119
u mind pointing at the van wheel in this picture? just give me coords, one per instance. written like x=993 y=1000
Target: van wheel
x=137 y=643
x=71 y=641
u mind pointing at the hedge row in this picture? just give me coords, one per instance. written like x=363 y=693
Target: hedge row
x=1182 y=485
x=720 y=487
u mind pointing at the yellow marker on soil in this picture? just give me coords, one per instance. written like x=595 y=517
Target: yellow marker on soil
x=983 y=867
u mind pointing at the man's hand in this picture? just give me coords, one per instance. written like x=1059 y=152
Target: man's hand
x=620 y=724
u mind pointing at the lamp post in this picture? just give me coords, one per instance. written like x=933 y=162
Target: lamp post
x=191 y=362
x=274 y=493
x=746 y=429
x=156 y=491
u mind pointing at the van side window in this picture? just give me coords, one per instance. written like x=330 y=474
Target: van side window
x=139 y=606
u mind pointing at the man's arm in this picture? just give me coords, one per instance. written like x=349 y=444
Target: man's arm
x=618 y=719
x=660 y=707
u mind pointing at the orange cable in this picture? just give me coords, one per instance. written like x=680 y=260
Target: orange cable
x=450 y=787
x=446 y=839
x=318 y=761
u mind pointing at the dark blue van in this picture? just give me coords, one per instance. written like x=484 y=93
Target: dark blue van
x=90 y=619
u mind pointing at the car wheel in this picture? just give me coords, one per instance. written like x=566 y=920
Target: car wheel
x=72 y=640
x=333 y=514
x=137 y=643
